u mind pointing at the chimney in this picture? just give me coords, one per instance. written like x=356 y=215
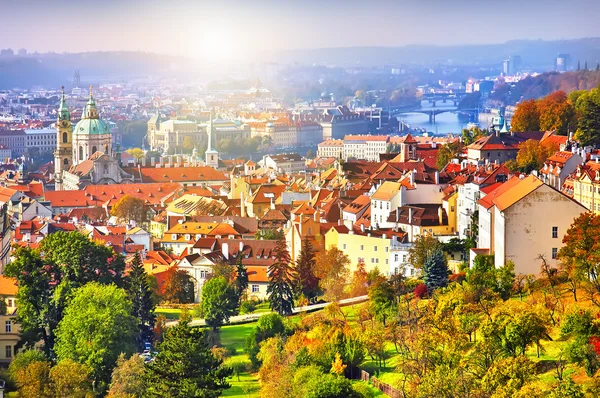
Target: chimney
x=170 y=161
x=301 y=218
x=152 y=162
x=178 y=161
x=362 y=227
x=384 y=236
x=241 y=246
x=340 y=222
x=410 y=215
x=242 y=205
x=225 y=250
x=412 y=178
x=162 y=161
x=437 y=177
x=272 y=204
x=440 y=215
x=316 y=216
x=397 y=214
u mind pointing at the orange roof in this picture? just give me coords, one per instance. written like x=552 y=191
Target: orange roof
x=264 y=192
x=518 y=192
x=150 y=193
x=70 y=199
x=257 y=273
x=177 y=174
x=6 y=194
x=8 y=286
x=366 y=138
x=488 y=200
x=386 y=191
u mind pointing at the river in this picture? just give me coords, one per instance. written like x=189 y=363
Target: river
x=444 y=122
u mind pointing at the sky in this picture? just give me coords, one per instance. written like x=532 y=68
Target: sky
x=221 y=27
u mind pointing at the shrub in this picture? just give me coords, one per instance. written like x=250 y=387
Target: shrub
x=247 y=307
x=420 y=291
x=459 y=277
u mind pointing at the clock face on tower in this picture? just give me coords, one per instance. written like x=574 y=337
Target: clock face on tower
x=65 y=123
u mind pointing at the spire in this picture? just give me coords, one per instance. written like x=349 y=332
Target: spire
x=63 y=111
x=210 y=127
x=505 y=128
x=90 y=111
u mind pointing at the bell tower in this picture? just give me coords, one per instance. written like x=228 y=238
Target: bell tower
x=63 y=155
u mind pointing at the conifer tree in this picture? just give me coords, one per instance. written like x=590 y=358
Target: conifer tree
x=435 y=270
x=305 y=281
x=241 y=279
x=185 y=366
x=280 y=290
x=140 y=294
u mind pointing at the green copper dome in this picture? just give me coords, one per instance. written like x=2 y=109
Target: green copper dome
x=91 y=122
x=63 y=111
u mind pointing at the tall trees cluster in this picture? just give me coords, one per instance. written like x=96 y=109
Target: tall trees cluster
x=552 y=112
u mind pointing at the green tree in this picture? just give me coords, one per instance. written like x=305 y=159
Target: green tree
x=423 y=247
x=582 y=329
x=305 y=280
x=269 y=234
x=435 y=270
x=447 y=152
x=310 y=154
x=179 y=287
x=127 y=378
x=219 y=302
x=71 y=379
x=137 y=153
x=185 y=366
x=188 y=144
x=268 y=325
x=280 y=290
x=96 y=328
x=140 y=294
x=46 y=276
x=241 y=279
x=471 y=135
x=587 y=107
x=382 y=297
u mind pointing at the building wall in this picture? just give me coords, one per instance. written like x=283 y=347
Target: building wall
x=528 y=229
x=381 y=209
x=486 y=231
x=468 y=195
x=9 y=337
x=374 y=251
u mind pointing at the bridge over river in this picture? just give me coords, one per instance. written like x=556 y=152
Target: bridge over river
x=431 y=111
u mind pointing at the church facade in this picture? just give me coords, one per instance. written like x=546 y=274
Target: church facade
x=84 y=154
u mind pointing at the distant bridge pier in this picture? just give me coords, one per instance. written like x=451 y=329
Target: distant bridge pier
x=432 y=117
x=455 y=102
x=444 y=100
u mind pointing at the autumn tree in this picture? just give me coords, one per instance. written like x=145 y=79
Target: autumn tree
x=556 y=113
x=47 y=276
x=581 y=249
x=305 y=280
x=526 y=117
x=179 y=287
x=129 y=208
x=96 y=329
x=185 y=366
x=423 y=247
x=188 y=143
x=532 y=154
x=137 y=153
x=71 y=379
x=471 y=135
x=435 y=270
x=126 y=381
x=140 y=294
x=332 y=270
x=280 y=289
x=583 y=331
x=358 y=285
x=447 y=152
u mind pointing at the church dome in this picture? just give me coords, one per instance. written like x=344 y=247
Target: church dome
x=91 y=124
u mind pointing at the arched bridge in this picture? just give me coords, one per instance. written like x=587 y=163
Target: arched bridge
x=433 y=112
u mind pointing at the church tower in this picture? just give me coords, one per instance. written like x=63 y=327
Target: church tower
x=63 y=155
x=212 y=156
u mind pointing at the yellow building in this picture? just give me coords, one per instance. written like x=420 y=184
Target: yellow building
x=586 y=186
x=9 y=330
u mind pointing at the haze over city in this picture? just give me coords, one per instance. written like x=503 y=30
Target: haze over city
x=222 y=29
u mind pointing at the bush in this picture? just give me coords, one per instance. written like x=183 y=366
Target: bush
x=420 y=291
x=459 y=277
x=363 y=390
x=247 y=307
x=231 y=351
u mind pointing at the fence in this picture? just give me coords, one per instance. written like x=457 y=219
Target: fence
x=383 y=387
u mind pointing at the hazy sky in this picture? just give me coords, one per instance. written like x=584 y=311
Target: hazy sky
x=194 y=27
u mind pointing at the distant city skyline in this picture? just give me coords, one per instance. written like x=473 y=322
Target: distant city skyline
x=216 y=30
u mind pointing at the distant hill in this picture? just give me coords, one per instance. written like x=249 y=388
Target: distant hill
x=535 y=53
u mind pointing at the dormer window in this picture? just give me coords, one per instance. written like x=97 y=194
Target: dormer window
x=188 y=237
x=173 y=236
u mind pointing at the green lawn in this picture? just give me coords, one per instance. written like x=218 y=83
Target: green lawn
x=170 y=313
x=234 y=336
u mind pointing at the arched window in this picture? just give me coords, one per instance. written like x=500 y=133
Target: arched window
x=106 y=149
x=66 y=162
x=93 y=149
x=80 y=153
x=65 y=138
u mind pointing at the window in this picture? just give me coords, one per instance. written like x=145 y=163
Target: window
x=395 y=257
x=554 y=232
x=105 y=169
x=65 y=138
x=374 y=248
x=80 y=153
x=554 y=252
x=66 y=162
x=344 y=246
x=255 y=289
x=8 y=351
x=10 y=302
x=362 y=247
x=372 y=260
x=387 y=249
x=8 y=327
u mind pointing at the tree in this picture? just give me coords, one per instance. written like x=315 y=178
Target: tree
x=268 y=325
x=382 y=297
x=179 y=287
x=526 y=117
x=185 y=366
x=96 y=329
x=46 y=276
x=188 y=144
x=71 y=379
x=305 y=280
x=423 y=247
x=241 y=279
x=310 y=154
x=582 y=250
x=127 y=381
x=140 y=294
x=269 y=234
x=137 y=153
x=532 y=154
x=280 y=290
x=129 y=208
x=332 y=270
x=358 y=285
x=447 y=152
x=471 y=135
x=219 y=302
x=34 y=380
x=435 y=270
x=587 y=106
x=556 y=113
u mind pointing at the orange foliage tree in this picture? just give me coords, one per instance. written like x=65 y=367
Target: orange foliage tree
x=556 y=113
x=526 y=117
x=532 y=154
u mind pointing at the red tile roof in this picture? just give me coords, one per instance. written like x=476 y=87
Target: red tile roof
x=177 y=174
